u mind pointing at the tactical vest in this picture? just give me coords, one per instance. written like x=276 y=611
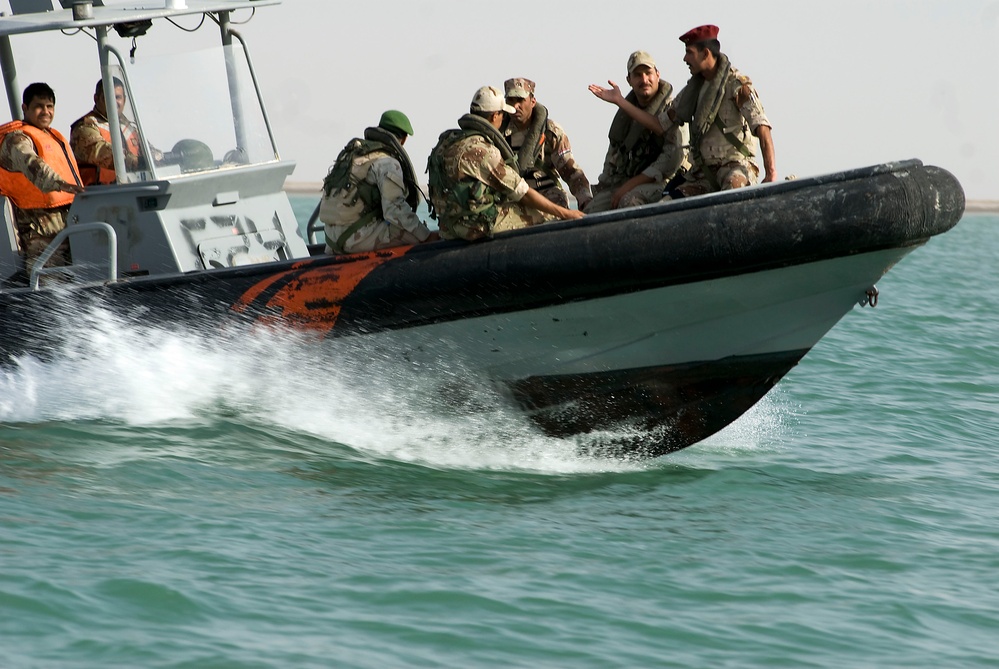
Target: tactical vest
x=54 y=151
x=464 y=200
x=637 y=146
x=729 y=139
x=533 y=164
x=346 y=186
x=95 y=174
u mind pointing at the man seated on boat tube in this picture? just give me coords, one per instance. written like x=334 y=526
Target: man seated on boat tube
x=544 y=153
x=90 y=137
x=724 y=114
x=639 y=161
x=370 y=194
x=475 y=185
x=38 y=174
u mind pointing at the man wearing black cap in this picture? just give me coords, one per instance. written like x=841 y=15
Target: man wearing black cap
x=370 y=194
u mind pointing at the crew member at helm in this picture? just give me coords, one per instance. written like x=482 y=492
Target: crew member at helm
x=90 y=137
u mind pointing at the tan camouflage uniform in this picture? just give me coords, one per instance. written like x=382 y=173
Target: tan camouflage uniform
x=400 y=225
x=556 y=157
x=475 y=157
x=90 y=147
x=35 y=227
x=661 y=170
x=719 y=154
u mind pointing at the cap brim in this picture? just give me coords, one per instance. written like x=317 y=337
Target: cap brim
x=508 y=109
x=651 y=66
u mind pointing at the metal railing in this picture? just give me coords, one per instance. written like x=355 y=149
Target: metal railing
x=39 y=268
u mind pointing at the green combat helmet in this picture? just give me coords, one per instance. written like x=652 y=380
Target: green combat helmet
x=397 y=121
x=192 y=155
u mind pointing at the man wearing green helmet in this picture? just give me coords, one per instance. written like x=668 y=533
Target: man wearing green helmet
x=370 y=194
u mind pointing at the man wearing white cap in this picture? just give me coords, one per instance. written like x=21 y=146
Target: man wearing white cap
x=639 y=162
x=475 y=186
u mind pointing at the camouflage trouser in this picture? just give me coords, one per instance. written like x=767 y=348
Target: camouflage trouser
x=728 y=176
x=36 y=228
x=509 y=216
x=556 y=195
x=514 y=215
x=639 y=195
x=460 y=230
x=372 y=237
x=33 y=244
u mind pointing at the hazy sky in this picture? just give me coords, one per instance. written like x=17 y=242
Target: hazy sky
x=846 y=83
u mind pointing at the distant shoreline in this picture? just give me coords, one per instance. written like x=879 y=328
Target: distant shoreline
x=303 y=187
x=313 y=188
x=982 y=206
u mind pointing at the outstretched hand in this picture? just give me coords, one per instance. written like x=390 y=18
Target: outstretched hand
x=612 y=94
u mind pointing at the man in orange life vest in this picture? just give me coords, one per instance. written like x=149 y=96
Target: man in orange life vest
x=90 y=137
x=38 y=174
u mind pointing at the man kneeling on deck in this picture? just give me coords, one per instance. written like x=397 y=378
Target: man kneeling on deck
x=370 y=194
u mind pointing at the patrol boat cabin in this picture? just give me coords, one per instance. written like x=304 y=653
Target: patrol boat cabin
x=207 y=192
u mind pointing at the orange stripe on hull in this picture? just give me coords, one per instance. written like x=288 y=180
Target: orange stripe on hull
x=310 y=297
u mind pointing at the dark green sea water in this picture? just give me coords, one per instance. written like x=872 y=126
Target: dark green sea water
x=174 y=500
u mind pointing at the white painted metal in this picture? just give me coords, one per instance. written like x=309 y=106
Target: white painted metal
x=772 y=311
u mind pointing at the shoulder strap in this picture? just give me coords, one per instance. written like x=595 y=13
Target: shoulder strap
x=396 y=150
x=732 y=139
x=337 y=245
x=480 y=126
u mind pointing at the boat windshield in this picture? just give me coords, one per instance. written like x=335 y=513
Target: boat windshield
x=198 y=111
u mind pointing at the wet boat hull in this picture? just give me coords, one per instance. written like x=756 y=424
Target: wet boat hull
x=672 y=319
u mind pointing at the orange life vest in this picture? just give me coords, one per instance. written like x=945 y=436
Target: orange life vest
x=95 y=174
x=54 y=150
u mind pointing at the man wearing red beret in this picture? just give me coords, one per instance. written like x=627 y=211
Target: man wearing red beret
x=723 y=112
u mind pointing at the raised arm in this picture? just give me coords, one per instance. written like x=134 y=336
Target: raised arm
x=614 y=96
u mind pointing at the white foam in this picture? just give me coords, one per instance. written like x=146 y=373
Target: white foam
x=344 y=391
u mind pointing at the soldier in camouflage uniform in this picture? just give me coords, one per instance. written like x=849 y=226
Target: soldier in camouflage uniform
x=724 y=113
x=370 y=195
x=90 y=137
x=639 y=161
x=543 y=150
x=40 y=192
x=475 y=186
